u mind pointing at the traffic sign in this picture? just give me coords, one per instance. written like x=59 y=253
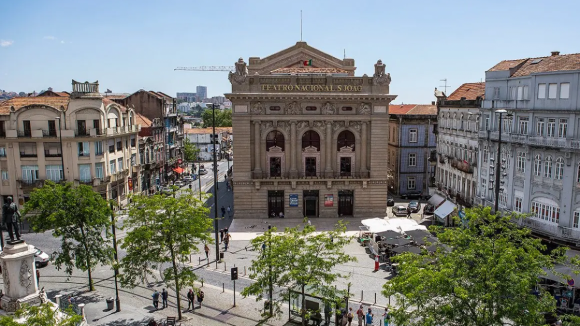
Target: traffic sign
x=234 y=273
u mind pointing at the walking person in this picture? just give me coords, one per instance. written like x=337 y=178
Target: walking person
x=37 y=278
x=190 y=300
x=223 y=212
x=386 y=317
x=221 y=235
x=206 y=249
x=408 y=212
x=155 y=297
x=349 y=316
x=200 y=297
x=227 y=240
x=360 y=314
x=327 y=312
x=229 y=211
x=164 y=296
x=369 y=317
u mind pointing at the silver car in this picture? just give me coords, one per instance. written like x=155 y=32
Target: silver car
x=399 y=210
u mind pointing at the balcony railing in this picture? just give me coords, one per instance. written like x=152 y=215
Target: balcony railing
x=83 y=132
x=532 y=140
x=550 y=229
x=24 y=133
x=47 y=153
x=24 y=154
x=29 y=184
x=320 y=175
x=49 y=133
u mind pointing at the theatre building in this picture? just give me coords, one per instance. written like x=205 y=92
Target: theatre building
x=311 y=137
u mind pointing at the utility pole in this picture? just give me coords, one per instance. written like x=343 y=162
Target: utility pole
x=117 y=300
x=215 y=191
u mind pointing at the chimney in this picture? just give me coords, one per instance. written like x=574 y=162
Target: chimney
x=555 y=53
x=432 y=102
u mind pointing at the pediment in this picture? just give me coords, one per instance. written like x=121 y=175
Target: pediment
x=293 y=57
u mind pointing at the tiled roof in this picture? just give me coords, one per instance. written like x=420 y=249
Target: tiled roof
x=160 y=94
x=525 y=67
x=308 y=70
x=53 y=93
x=401 y=108
x=142 y=120
x=468 y=90
x=20 y=102
x=423 y=109
x=108 y=101
x=208 y=130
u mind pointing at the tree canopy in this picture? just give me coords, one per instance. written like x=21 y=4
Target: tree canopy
x=298 y=259
x=190 y=152
x=43 y=315
x=164 y=231
x=223 y=118
x=487 y=278
x=80 y=217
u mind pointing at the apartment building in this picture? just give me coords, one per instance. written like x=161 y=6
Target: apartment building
x=540 y=146
x=94 y=138
x=205 y=140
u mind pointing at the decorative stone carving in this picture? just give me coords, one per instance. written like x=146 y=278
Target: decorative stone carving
x=284 y=125
x=42 y=296
x=328 y=108
x=337 y=125
x=241 y=72
x=302 y=125
x=356 y=125
x=380 y=77
x=6 y=278
x=293 y=108
x=319 y=125
x=25 y=275
x=258 y=108
x=364 y=108
x=265 y=125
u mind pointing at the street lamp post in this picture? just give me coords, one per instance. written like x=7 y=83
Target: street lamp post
x=117 y=300
x=498 y=161
x=61 y=150
x=215 y=190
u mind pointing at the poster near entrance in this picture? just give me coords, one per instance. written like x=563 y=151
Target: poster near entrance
x=328 y=200
x=293 y=200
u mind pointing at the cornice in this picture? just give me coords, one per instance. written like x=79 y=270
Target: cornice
x=309 y=96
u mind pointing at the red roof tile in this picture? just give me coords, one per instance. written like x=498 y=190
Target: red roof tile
x=506 y=65
x=525 y=67
x=142 y=120
x=400 y=109
x=468 y=90
x=108 y=101
x=423 y=109
x=20 y=102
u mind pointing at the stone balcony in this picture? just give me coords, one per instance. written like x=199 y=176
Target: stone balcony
x=310 y=179
x=550 y=230
x=538 y=141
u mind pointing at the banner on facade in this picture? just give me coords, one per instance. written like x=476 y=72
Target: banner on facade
x=130 y=182
x=328 y=200
x=293 y=200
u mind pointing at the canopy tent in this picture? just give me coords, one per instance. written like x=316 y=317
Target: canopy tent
x=178 y=170
x=436 y=200
x=413 y=228
x=389 y=234
x=445 y=209
x=434 y=247
x=412 y=249
x=397 y=241
x=418 y=233
x=565 y=270
x=377 y=225
x=404 y=224
x=425 y=240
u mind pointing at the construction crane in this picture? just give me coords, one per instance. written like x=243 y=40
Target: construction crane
x=207 y=68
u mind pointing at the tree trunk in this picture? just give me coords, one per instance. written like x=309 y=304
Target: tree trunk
x=177 y=289
x=88 y=259
x=303 y=308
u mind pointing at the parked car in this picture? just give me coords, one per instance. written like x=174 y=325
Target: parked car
x=166 y=190
x=188 y=179
x=429 y=209
x=41 y=258
x=179 y=183
x=399 y=210
x=390 y=201
x=412 y=195
x=414 y=206
x=202 y=171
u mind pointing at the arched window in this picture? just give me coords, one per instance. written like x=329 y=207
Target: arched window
x=559 y=169
x=538 y=165
x=345 y=139
x=548 y=167
x=274 y=138
x=311 y=138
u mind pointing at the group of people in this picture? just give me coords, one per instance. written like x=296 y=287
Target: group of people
x=229 y=210
x=344 y=317
x=273 y=214
x=190 y=298
x=225 y=237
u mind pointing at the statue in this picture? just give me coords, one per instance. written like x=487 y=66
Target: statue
x=328 y=108
x=380 y=78
x=11 y=218
x=364 y=108
x=293 y=108
x=42 y=296
x=258 y=108
x=241 y=72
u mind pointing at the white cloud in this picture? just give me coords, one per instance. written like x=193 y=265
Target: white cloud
x=49 y=38
x=61 y=42
x=5 y=43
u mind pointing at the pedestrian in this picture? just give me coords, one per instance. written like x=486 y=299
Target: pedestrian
x=349 y=316
x=164 y=296
x=229 y=211
x=155 y=299
x=369 y=317
x=206 y=249
x=386 y=317
x=327 y=312
x=223 y=212
x=200 y=297
x=226 y=231
x=221 y=235
x=263 y=248
x=408 y=212
x=190 y=300
x=281 y=214
x=37 y=278
x=227 y=240
x=360 y=314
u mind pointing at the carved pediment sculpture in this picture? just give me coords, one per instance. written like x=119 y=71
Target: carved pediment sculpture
x=275 y=149
x=318 y=125
x=364 y=108
x=310 y=149
x=337 y=125
x=258 y=108
x=302 y=124
x=284 y=125
x=239 y=76
x=293 y=108
x=265 y=125
x=345 y=149
x=328 y=108
x=356 y=125
x=380 y=77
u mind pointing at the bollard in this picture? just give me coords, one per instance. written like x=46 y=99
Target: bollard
x=82 y=306
x=57 y=297
x=223 y=287
x=361 y=295
x=244 y=270
x=225 y=266
x=190 y=258
x=199 y=258
x=375 y=298
x=202 y=282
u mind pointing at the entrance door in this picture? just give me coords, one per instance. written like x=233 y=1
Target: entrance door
x=310 y=203
x=345 y=166
x=345 y=202
x=275 y=203
x=310 y=166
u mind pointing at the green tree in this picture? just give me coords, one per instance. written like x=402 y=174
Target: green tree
x=164 y=230
x=485 y=280
x=190 y=151
x=80 y=217
x=223 y=118
x=300 y=260
x=43 y=315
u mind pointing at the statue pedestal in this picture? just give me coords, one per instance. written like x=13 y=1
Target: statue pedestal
x=19 y=274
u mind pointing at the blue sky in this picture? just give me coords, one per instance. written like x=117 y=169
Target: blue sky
x=128 y=45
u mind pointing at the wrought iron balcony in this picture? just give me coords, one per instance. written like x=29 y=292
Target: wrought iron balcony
x=82 y=132
x=49 y=133
x=25 y=154
x=47 y=153
x=310 y=175
x=26 y=133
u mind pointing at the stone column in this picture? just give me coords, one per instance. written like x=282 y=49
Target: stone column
x=363 y=148
x=328 y=151
x=257 y=156
x=293 y=149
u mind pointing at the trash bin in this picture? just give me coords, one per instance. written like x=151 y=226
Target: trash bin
x=110 y=303
x=221 y=255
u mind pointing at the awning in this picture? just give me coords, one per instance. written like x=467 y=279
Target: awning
x=376 y=225
x=178 y=170
x=561 y=271
x=445 y=209
x=435 y=200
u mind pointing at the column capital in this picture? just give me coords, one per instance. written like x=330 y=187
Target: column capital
x=293 y=122
x=257 y=122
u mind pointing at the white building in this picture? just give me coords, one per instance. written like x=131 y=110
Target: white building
x=206 y=141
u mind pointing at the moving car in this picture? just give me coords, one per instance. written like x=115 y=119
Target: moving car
x=166 y=190
x=390 y=201
x=414 y=206
x=41 y=258
x=429 y=209
x=202 y=171
x=399 y=210
x=179 y=183
x=412 y=195
x=190 y=178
